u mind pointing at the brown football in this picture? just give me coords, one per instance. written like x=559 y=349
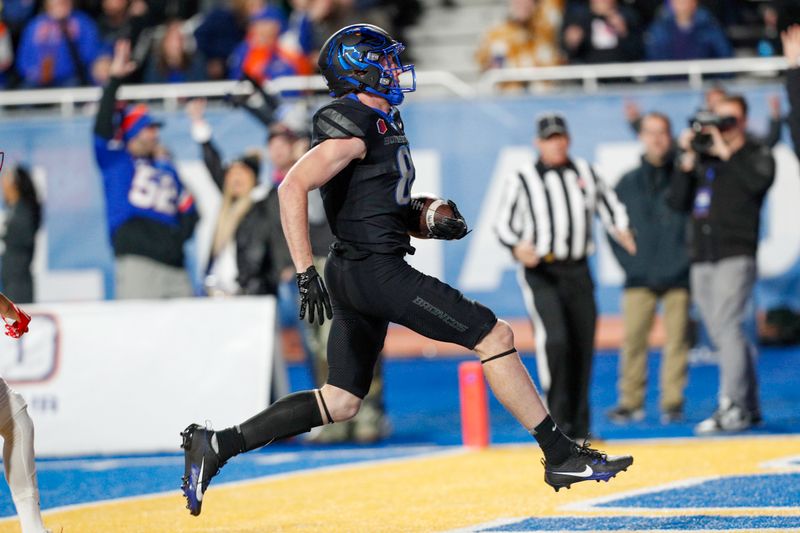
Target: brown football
x=426 y=210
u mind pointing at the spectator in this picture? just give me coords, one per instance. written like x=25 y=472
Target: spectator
x=546 y=220
x=261 y=55
x=6 y=55
x=299 y=35
x=331 y=15
x=686 y=31
x=528 y=38
x=173 y=59
x=160 y=11
x=248 y=252
x=722 y=180
x=711 y=97
x=658 y=271
x=221 y=32
x=602 y=33
x=150 y=214
x=122 y=19
x=61 y=48
x=769 y=43
x=16 y=15
x=23 y=219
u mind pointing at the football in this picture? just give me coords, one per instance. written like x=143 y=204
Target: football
x=427 y=209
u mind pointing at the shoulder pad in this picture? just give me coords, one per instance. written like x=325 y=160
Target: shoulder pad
x=339 y=122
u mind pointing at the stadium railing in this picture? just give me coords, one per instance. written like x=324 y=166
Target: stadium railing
x=488 y=83
x=590 y=75
x=171 y=94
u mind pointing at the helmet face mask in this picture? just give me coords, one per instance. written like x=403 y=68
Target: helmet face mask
x=365 y=58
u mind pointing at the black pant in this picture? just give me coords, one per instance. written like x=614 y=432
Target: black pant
x=560 y=299
x=370 y=290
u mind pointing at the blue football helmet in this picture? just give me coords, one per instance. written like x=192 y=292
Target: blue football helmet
x=365 y=58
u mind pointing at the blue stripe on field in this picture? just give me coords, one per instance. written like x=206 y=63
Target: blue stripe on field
x=641 y=523
x=768 y=490
x=74 y=481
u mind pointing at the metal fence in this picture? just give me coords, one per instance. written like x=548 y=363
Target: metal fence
x=695 y=72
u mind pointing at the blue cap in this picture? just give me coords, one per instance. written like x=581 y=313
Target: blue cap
x=270 y=13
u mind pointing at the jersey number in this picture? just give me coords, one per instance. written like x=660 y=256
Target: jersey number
x=406 y=167
x=153 y=190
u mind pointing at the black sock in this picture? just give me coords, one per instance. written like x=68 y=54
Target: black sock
x=230 y=442
x=291 y=415
x=555 y=445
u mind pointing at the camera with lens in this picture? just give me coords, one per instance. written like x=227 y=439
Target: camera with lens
x=702 y=141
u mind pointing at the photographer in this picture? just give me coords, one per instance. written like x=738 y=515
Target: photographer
x=721 y=181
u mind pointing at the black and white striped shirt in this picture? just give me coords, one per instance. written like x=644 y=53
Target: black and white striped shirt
x=554 y=207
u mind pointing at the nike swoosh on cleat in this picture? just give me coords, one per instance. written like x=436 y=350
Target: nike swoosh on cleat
x=198 y=491
x=586 y=472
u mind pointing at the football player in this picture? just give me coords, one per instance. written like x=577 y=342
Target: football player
x=362 y=163
x=16 y=428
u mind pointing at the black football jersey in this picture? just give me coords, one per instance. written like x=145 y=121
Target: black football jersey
x=366 y=203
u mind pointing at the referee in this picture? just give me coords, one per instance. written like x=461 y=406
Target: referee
x=545 y=219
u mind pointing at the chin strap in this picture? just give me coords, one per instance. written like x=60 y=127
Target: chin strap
x=498 y=356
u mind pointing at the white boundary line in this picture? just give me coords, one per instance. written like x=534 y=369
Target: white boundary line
x=791 y=464
x=591 y=504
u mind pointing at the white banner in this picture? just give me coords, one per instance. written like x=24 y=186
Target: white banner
x=128 y=376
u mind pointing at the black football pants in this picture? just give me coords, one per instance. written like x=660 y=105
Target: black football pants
x=560 y=300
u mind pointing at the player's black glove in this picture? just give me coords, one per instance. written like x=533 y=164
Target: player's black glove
x=314 y=296
x=450 y=228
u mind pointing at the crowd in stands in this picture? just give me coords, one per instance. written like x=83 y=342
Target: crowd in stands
x=68 y=43
x=554 y=32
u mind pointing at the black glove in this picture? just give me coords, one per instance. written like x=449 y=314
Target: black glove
x=450 y=228
x=313 y=295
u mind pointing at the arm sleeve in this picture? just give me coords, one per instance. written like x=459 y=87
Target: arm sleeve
x=483 y=52
x=656 y=40
x=236 y=62
x=631 y=45
x=623 y=192
x=681 y=190
x=201 y=134
x=188 y=216
x=213 y=163
x=27 y=54
x=773 y=135
x=89 y=42
x=21 y=231
x=260 y=104
x=721 y=45
x=793 y=92
x=612 y=212
x=507 y=227
x=104 y=122
x=756 y=171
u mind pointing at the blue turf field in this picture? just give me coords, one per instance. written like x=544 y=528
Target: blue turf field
x=422 y=399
